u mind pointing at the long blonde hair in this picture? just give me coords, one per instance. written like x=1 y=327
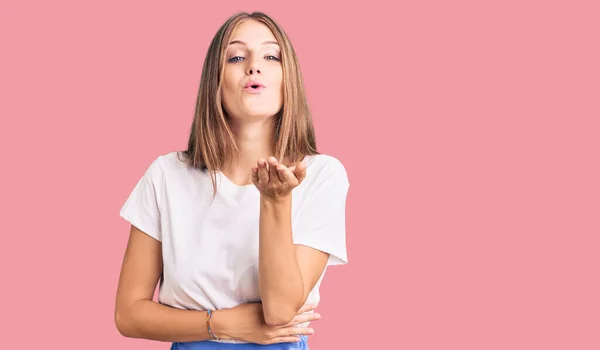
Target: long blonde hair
x=211 y=144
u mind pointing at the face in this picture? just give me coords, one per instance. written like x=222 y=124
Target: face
x=253 y=74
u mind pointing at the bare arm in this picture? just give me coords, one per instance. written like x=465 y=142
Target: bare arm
x=138 y=316
x=287 y=272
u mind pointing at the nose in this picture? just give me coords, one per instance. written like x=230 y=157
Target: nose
x=252 y=70
x=252 y=67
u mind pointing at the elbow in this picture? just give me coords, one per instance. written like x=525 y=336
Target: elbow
x=123 y=326
x=278 y=315
x=281 y=311
x=276 y=320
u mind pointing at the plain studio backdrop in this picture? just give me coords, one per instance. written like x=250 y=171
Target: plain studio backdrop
x=469 y=130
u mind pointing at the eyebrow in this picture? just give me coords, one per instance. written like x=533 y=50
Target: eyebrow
x=243 y=43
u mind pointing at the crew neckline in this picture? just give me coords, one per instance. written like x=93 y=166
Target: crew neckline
x=224 y=178
x=231 y=187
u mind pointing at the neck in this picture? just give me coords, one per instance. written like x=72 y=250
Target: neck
x=254 y=141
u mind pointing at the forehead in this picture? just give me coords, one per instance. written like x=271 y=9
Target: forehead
x=252 y=32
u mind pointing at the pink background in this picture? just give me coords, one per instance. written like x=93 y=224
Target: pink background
x=469 y=130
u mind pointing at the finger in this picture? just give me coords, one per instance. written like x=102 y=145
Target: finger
x=273 y=176
x=285 y=340
x=303 y=318
x=307 y=307
x=295 y=331
x=300 y=171
x=263 y=174
x=284 y=173
x=254 y=174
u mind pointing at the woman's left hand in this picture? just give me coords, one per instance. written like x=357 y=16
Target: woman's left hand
x=275 y=180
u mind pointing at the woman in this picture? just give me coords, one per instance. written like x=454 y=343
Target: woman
x=240 y=227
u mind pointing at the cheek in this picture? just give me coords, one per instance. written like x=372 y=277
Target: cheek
x=278 y=81
x=228 y=87
x=227 y=80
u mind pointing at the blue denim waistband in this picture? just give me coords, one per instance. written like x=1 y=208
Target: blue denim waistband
x=204 y=345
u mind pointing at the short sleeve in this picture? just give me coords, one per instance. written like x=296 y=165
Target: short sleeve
x=141 y=208
x=321 y=222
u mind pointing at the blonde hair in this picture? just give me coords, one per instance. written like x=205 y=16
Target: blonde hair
x=211 y=143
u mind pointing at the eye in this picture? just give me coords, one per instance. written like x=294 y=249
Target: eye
x=272 y=58
x=235 y=59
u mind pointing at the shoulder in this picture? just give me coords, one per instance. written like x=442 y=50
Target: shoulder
x=318 y=162
x=325 y=168
x=169 y=161
x=168 y=165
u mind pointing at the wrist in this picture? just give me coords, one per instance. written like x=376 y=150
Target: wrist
x=276 y=200
x=220 y=324
x=276 y=211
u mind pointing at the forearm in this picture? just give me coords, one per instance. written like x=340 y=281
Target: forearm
x=147 y=319
x=280 y=281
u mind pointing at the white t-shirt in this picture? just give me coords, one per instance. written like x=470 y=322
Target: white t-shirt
x=210 y=247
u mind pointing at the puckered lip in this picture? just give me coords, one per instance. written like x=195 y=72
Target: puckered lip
x=253 y=83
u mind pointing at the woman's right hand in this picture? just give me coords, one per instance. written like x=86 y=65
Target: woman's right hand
x=246 y=322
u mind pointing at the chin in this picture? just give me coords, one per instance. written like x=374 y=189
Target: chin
x=253 y=114
x=260 y=114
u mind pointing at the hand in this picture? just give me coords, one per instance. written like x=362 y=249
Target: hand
x=249 y=325
x=275 y=180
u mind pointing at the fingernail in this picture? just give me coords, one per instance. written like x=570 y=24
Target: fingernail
x=311 y=331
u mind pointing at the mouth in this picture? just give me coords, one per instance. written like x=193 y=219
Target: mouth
x=253 y=87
